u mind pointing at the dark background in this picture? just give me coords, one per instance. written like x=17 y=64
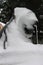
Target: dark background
x=32 y=4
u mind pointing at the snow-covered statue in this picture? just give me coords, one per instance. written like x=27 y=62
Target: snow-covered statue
x=26 y=21
x=24 y=18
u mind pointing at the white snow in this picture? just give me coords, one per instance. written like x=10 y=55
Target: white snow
x=20 y=51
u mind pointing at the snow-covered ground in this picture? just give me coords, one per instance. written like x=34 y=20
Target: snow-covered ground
x=20 y=51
